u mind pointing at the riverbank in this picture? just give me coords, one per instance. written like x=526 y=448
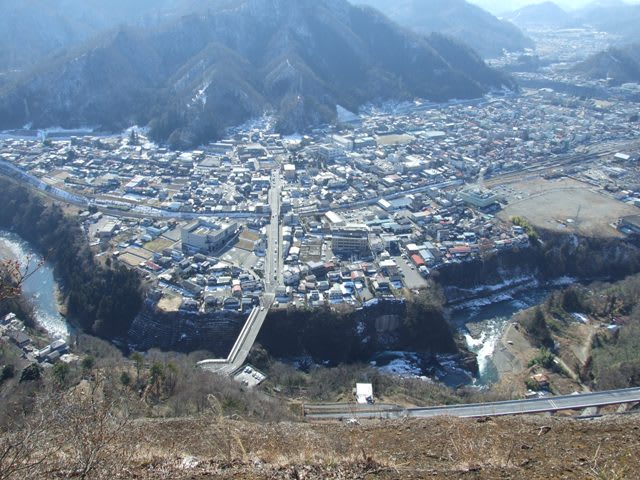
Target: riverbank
x=40 y=287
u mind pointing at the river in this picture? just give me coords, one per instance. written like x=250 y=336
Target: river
x=491 y=320
x=40 y=287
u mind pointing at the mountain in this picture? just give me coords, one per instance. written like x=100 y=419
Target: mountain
x=29 y=31
x=457 y=18
x=613 y=17
x=540 y=14
x=33 y=30
x=202 y=73
x=618 y=64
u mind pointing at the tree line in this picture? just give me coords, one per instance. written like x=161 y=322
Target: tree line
x=557 y=255
x=615 y=352
x=103 y=300
x=349 y=335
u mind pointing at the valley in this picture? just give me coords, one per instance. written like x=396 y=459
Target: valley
x=278 y=231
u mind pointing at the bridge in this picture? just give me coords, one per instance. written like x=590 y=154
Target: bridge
x=247 y=337
x=272 y=279
x=495 y=409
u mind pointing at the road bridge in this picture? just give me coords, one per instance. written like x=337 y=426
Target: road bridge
x=494 y=409
x=272 y=279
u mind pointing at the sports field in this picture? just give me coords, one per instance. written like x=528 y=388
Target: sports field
x=564 y=205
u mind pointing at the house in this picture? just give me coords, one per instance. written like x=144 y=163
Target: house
x=53 y=357
x=417 y=260
x=59 y=345
x=8 y=318
x=231 y=303
x=21 y=339
x=541 y=379
x=335 y=294
x=382 y=284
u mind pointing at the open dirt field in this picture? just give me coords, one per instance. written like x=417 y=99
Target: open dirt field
x=564 y=205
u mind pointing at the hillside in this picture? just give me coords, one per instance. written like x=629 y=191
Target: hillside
x=32 y=31
x=614 y=17
x=539 y=14
x=211 y=446
x=199 y=74
x=458 y=18
x=156 y=417
x=617 y=64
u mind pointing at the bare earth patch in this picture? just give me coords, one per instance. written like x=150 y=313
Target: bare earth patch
x=564 y=205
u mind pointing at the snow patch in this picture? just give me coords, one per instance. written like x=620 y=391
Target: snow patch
x=345 y=115
x=201 y=94
x=580 y=317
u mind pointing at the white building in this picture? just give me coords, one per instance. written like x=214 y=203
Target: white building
x=364 y=393
x=206 y=236
x=351 y=238
x=289 y=171
x=480 y=198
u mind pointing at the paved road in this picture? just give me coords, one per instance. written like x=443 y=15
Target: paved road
x=311 y=211
x=244 y=342
x=274 y=260
x=515 y=407
x=273 y=278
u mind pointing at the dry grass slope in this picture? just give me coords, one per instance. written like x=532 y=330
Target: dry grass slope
x=81 y=436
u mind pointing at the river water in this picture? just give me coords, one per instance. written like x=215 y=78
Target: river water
x=40 y=287
x=490 y=317
x=491 y=320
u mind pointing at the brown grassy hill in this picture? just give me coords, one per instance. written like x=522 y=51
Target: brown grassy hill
x=86 y=438
x=526 y=447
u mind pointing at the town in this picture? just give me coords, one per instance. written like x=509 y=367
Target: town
x=368 y=208
x=364 y=209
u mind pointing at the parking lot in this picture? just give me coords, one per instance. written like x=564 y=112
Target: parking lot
x=412 y=278
x=249 y=376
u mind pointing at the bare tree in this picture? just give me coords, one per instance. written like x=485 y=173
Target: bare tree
x=13 y=275
x=75 y=435
x=25 y=449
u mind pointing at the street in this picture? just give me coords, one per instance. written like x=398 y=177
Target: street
x=513 y=407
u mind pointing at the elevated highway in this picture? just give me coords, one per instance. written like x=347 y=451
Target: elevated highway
x=495 y=409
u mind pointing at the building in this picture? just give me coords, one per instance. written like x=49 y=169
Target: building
x=8 y=318
x=478 y=197
x=289 y=171
x=630 y=224
x=21 y=339
x=364 y=393
x=107 y=229
x=350 y=239
x=335 y=220
x=206 y=236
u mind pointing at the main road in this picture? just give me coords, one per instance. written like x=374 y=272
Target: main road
x=514 y=407
x=274 y=257
x=272 y=278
